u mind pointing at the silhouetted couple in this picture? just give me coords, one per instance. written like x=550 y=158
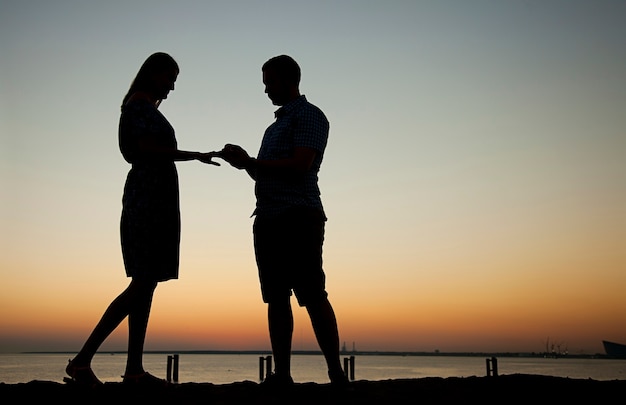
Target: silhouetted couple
x=288 y=226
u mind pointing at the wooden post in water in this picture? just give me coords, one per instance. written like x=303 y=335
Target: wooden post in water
x=348 y=367
x=263 y=371
x=352 y=368
x=268 y=370
x=169 y=369
x=175 y=372
x=492 y=367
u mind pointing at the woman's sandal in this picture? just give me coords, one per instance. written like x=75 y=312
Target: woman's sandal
x=82 y=376
x=144 y=379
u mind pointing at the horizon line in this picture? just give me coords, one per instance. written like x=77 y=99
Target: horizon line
x=344 y=353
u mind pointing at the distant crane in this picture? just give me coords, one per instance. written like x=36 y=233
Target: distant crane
x=344 y=349
x=554 y=349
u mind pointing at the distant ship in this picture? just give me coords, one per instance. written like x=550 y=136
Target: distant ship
x=613 y=349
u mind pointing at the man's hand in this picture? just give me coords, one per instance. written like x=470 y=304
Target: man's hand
x=235 y=155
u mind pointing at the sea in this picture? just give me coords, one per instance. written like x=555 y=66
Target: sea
x=236 y=367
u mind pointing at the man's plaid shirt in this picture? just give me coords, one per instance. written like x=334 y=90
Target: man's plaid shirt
x=298 y=124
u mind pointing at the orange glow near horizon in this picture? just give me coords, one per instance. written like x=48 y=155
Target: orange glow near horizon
x=483 y=318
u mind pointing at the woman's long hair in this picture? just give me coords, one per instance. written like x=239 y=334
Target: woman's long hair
x=156 y=63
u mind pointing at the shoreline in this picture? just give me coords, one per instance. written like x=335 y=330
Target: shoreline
x=363 y=353
x=516 y=388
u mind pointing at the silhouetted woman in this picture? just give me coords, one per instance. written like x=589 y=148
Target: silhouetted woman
x=150 y=223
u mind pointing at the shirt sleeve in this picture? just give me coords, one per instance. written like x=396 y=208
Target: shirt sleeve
x=311 y=129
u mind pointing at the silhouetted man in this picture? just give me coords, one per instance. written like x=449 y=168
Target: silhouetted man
x=289 y=218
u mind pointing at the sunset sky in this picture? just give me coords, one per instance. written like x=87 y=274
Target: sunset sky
x=474 y=179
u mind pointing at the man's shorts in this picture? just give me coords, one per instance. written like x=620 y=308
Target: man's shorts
x=288 y=251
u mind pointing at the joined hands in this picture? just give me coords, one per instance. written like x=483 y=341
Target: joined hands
x=208 y=158
x=235 y=155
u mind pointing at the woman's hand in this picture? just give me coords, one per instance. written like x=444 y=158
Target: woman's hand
x=208 y=158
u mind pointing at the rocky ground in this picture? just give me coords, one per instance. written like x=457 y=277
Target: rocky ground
x=503 y=389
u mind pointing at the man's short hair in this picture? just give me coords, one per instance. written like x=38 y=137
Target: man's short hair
x=285 y=66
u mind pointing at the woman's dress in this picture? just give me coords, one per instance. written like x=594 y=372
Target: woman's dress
x=150 y=223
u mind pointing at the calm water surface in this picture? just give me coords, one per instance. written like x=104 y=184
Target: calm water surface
x=228 y=368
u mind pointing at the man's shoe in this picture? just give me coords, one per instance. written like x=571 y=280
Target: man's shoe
x=276 y=381
x=339 y=380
